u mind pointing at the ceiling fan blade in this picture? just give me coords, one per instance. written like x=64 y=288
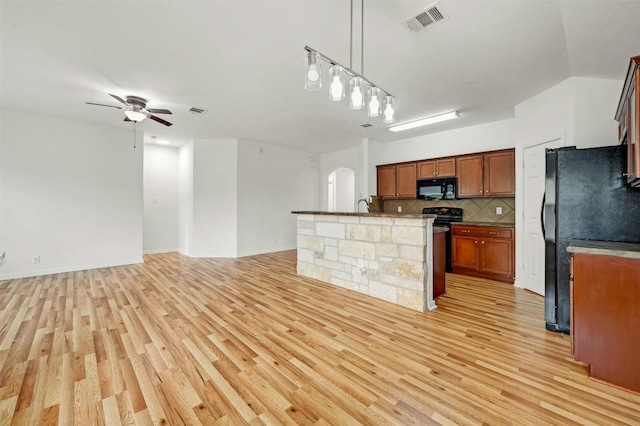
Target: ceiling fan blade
x=118 y=98
x=160 y=120
x=158 y=111
x=110 y=106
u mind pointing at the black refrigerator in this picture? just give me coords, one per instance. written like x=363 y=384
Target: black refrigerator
x=585 y=198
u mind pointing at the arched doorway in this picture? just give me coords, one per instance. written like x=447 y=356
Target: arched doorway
x=341 y=190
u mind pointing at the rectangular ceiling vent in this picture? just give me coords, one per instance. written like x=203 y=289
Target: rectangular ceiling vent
x=194 y=110
x=426 y=18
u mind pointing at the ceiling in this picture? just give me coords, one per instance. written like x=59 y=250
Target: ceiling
x=244 y=62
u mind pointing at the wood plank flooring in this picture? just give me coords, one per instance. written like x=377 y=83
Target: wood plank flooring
x=185 y=341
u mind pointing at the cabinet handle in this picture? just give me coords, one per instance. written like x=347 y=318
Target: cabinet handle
x=493 y=233
x=465 y=231
x=475 y=242
x=483 y=242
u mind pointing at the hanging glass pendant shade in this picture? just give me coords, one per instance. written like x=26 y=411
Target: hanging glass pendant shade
x=336 y=89
x=388 y=111
x=313 y=81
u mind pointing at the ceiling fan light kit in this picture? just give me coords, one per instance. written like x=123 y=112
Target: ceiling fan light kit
x=376 y=99
x=135 y=109
x=135 y=116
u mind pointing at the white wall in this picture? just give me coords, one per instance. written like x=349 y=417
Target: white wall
x=482 y=137
x=273 y=182
x=160 y=198
x=596 y=101
x=71 y=194
x=213 y=196
x=347 y=158
x=345 y=190
x=185 y=197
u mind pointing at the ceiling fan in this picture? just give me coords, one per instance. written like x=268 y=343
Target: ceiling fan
x=135 y=109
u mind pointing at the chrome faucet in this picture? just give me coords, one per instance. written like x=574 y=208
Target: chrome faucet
x=366 y=202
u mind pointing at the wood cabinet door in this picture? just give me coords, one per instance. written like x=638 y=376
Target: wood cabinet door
x=496 y=256
x=426 y=169
x=439 y=264
x=446 y=167
x=464 y=252
x=406 y=180
x=386 y=181
x=469 y=170
x=500 y=174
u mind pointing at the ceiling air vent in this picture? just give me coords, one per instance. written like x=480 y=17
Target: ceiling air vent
x=365 y=125
x=194 y=110
x=426 y=18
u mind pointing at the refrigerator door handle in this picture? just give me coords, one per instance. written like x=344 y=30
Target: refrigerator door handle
x=542 y=216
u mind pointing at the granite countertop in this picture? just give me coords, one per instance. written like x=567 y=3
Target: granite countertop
x=391 y=215
x=605 y=248
x=496 y=224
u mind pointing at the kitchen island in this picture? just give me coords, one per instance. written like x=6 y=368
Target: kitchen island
x=387 y=256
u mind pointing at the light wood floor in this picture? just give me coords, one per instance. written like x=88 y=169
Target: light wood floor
x=231 y=342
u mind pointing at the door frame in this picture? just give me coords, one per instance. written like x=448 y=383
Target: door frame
x=520 y=188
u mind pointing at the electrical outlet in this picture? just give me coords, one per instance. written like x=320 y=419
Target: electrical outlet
x=399 y=209
x=498 y=210
x=360 y=263
x=275 y=241
x=36 y=259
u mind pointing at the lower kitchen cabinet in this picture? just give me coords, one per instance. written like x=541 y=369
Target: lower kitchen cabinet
x=483 y=251
x=605 y=325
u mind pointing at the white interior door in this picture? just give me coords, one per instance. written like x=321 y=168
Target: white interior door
x=533 y=240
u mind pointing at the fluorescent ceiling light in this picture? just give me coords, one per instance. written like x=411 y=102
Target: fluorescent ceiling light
x=425 y=121
x=162 y=142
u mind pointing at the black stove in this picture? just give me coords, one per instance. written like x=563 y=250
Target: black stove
x=445 y=216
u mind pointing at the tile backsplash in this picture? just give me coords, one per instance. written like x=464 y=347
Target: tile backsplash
x=475 y=209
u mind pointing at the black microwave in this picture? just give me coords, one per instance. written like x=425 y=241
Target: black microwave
x=437 y=189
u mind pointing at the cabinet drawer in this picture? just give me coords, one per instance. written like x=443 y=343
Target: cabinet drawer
x=483 y=231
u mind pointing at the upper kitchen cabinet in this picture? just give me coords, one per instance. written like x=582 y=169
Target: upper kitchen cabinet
x=491 y=174
x=397 y=181
x=628 y=117
x=437 y=168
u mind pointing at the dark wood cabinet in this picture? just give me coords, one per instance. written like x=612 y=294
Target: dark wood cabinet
x=489 y=174
x=397 y=181
x=441 y=167
x=386 y=181
x=439 y=264
x=605 y=325
x=469 y=172
x=483 y=251
x=628 y=117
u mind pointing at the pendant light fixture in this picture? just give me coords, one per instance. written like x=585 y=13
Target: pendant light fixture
x=361 y=91
x=336 y=89
x=313 y=81
x=373 y=107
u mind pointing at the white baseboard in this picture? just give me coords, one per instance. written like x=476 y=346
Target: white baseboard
x=70 y=268
x=168 y=250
